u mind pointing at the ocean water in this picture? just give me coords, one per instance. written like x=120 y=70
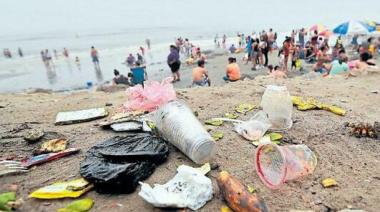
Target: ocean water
x=118 y=27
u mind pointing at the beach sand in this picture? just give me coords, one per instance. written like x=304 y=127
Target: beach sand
x=354 y=163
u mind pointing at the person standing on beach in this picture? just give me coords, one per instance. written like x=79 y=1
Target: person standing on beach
x=147 y=41
x=94 y=56
x=65 y=52
x=130 y=60
x=301 y=37
x=43 y=57
x=286 y=47
x=270 y=39
x=142 y=50
x=224 y=41
x=20 y=52
x=48 y=57
x=174 y=63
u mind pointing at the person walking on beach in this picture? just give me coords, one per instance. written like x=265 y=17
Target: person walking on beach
x=20 y=52
x=94 y=56
x=174 y=63
x=224 y=41
x=200 y=75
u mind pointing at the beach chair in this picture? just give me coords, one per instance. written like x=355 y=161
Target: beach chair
x=138 y=75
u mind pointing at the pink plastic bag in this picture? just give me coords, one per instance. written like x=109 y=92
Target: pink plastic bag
x=149 y=98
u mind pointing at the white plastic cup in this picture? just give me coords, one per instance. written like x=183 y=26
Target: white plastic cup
x=177 y=124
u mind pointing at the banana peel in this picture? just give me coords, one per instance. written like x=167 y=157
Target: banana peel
x=82 y=205
x=244 y=108
x=217 y=136
x=311 y=104
x=5 y=198
x=329 y=182
x=214 y=122
x=231 y=115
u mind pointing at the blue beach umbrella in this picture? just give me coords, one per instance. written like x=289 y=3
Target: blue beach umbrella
x=353 y=27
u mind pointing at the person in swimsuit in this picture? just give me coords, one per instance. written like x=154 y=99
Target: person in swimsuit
x=200 y=75
x=94 y=56
x=232 y=71
x=322 y=58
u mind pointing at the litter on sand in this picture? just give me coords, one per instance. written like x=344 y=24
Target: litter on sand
x=255 y=128
x=231 y=115
x=149 y=97
x=225 y=208
x=5 y=200
x=131 y=125
x=312 y=104
x=82 y=205
x=364 y=129
x=276 y=165
x=177 y=124
x=71 y=117
x=244 y=108
x=188 y=189
x=238 y=198
x=40 y=159
x=34 y=135
x=72 y=189
x=214 y=122
x=119 y=163
x=217 y=135
x=11 y=167
x=329 y=182
x=55 y=145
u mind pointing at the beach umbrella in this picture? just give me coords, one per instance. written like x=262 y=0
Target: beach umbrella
x=318 y=27
x=327 y=33
x=353 y=27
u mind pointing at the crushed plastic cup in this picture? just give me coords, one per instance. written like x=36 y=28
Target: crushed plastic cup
x=276 y=165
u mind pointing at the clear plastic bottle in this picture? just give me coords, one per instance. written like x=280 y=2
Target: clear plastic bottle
x=177 y=124
x=277 y=104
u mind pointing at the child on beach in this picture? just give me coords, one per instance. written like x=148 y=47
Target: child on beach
x=276 y=72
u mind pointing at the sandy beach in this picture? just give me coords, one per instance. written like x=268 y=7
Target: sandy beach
x=352 y=162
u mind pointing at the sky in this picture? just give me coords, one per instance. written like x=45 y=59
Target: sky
x=33 y=17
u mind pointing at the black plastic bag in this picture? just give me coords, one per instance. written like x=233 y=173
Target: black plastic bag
x=119 y=163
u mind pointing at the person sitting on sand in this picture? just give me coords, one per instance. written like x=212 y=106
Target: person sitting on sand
x=232 y=49
x=200 y=75
x=362 y=66
x=340 y=65
x=232 y=70
x=276 y=73
x=119 y=78
x=322 y=58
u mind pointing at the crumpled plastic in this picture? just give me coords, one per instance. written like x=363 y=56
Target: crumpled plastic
x=149 y=97
x=188 y=189
x=255 y=128
x=313 y=104
x=72 y=189
x=119 y=163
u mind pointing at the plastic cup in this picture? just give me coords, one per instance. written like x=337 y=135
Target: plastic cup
x=276 y=165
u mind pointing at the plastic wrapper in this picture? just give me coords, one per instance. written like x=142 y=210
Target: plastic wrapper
x=73 y=189
x=119 y=163
x=149 y=97
x=188 y=189
x=255 y=128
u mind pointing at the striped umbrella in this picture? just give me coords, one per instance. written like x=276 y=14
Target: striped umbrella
x=318 y=27
x=353 y=27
